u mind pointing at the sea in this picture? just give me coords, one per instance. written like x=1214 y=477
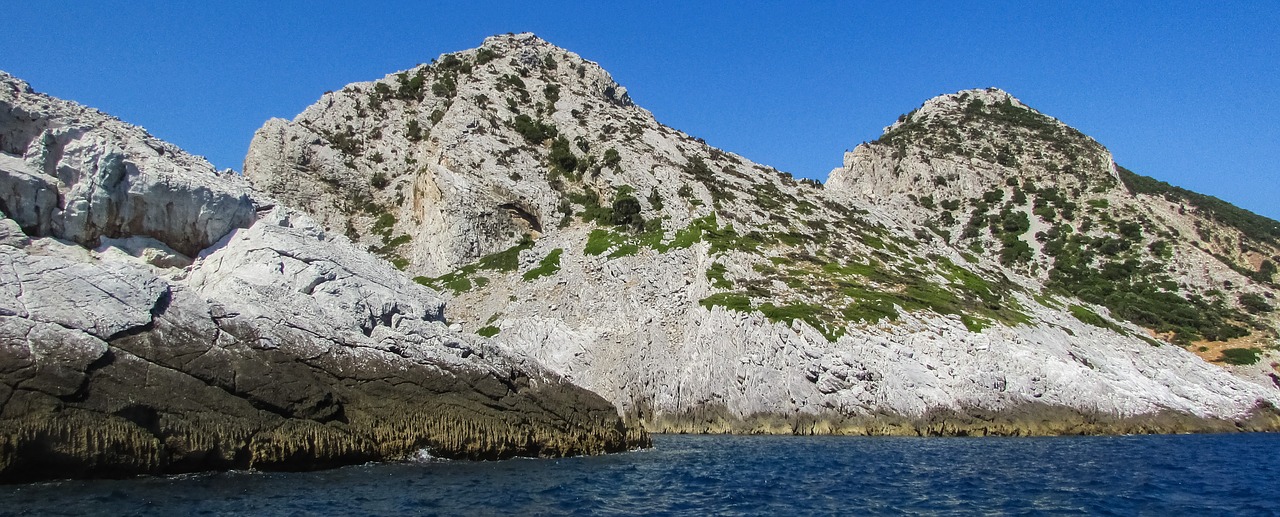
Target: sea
x=1163 y=475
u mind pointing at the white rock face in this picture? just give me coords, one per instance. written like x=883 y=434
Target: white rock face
x=41 y=284
x=473 y=184
x=760 y=294
x=78 y=174
x=631 y=329
x=177 y=318
x=340 y=298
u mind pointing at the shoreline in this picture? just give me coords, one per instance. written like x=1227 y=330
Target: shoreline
x=1023 y=420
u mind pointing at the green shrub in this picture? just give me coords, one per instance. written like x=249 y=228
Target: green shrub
x=1266 y=272
x=410 y=88
x=626 y=212
x=485 y=55
x=698 y=168
x=1254 y=303
x=655 y=200
x=534 y=131
x=562 y=158
x=445 y=87
x=488 y=331
x=611 y=158
x=413 y=131
x=384 y=222
x=1241 y=356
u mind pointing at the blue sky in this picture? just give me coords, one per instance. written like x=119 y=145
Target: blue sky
x=1187 y=94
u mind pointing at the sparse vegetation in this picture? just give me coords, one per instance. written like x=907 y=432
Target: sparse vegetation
x=1255 y=303
x=1252 y=225
x=459 y=281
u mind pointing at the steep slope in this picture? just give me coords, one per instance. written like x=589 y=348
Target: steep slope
x=990 y=175
x=158 y=316
x=697 y=290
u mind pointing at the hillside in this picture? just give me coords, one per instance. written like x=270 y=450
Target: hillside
x=699 y=291
x=993 y=177
x=158 y=316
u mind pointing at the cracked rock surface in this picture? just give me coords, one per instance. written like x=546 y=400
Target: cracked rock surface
x=159 y=317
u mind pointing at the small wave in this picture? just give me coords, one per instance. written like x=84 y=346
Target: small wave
x=424 y=455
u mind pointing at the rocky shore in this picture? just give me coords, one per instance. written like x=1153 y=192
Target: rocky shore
x=157 y=316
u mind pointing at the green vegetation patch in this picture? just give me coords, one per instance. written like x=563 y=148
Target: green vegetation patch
x=705 y=229
x=601 y=240
x=549 y=265
x=870 y=311
x=716 y=274
x=1109 y=271
x=459 y=281
x=816 y=316
x=1255 y=303
x=488 y=331
x=1241 y=356
x=732 y=301
x=1085 y=315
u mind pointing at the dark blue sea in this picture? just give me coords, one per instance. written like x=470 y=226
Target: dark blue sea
x=1236 y=474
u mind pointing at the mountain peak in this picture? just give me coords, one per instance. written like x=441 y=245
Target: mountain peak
x=15 y=84
x=527 y=39
x=952 y=105
x=991 y=127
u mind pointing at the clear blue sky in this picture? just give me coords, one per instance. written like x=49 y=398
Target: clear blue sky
x=1187 y=94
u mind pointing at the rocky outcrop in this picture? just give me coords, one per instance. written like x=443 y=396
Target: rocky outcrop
x=78 y=174
x=701 y=292
x=159 y=317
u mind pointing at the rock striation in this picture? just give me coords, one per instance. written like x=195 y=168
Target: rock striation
x=700 y=292
x=158 y=316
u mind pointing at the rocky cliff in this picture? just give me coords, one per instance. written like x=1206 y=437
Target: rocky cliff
x=701 y=292
x=158 y=316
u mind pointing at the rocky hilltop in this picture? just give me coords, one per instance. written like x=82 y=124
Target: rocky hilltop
x=158 y=316
x=701 y=292
x=995 y=178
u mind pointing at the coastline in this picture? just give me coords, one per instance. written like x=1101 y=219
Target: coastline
x=1030 y=419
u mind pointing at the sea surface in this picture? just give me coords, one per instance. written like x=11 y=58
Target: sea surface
x=1236 y=474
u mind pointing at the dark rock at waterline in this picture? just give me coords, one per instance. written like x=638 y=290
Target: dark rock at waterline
x=159 y=317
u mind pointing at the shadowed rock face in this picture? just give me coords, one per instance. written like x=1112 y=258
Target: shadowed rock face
x=157 y=317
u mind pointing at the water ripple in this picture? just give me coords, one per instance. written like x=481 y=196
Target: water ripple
x=738 y=475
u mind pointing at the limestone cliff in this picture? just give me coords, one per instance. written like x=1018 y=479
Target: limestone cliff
x=158 y=316
x=701 y=292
